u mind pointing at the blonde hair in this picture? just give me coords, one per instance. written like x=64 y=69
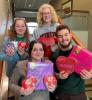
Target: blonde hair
x=53 y=14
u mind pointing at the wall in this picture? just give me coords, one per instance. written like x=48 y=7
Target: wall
x=4 y=10
x=83 y=36
x=3 y=16
x=87 y=6
x=83 y=5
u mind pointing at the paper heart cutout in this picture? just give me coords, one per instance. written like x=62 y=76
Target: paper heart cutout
x=50 y=82
x=29 y=83
x=22 y=45
x=66 y=64
x=47 y=41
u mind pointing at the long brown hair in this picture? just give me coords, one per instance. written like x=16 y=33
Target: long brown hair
x=12 y=33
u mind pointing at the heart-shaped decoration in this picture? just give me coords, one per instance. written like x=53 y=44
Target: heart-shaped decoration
x=47 y=41
x=29 y=83
x=66 y=64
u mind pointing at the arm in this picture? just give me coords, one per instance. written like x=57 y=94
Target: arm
x=13 y=85
x=34 y=36
x=13 y=58
x=19 y=73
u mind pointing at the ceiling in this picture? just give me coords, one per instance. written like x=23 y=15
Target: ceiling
x=27 y=8
x=29 y=4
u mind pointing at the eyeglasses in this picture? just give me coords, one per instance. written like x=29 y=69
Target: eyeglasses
x=46 y=13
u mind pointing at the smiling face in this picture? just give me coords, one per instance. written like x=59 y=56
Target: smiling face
x=46 y=15
x=37 y=52
x=20 y=27
x=64 y=38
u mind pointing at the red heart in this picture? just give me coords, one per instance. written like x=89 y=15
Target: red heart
x=29 y=82
x=66 y=64
x=47 y=41
x=22 y=44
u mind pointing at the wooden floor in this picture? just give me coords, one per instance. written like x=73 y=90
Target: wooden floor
x=88 y=84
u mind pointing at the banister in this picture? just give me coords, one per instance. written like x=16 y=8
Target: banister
x=3 y=82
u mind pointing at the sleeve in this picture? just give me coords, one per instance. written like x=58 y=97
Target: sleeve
x=35 y=34
x=13 y=58
x=13 y=85
x=53 y=58
x=2 y=56
x=21 y=57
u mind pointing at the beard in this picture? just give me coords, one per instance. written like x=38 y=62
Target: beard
x=65 y=46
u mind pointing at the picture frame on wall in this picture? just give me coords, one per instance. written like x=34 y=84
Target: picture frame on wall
x=67 y=8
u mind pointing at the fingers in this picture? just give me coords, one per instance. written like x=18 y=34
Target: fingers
x=51 y=88
x=63 y=75
x=21 y=50
x=27 y=91
x=85 y=74
x=10 y=51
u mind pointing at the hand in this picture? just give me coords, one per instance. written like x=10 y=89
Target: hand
x=85 y=74
x=50 y=82
x=10 y=51
x=21 y=50
x=63 y=75
x=27 y=91
x=51 y=88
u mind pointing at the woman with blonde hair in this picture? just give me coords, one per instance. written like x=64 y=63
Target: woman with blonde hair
x=40 y=13
x=45 y=32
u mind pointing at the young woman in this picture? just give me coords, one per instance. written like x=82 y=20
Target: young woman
x=40 y=72
x=18 y=36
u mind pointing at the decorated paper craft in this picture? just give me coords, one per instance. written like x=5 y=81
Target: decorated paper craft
x=8 y=46
x=15 y=44
x=50 y=82
x=29 y=83
x=66 y=64
x=84 y=58
x=48 y=42
x=39 y=70
x=22 y=45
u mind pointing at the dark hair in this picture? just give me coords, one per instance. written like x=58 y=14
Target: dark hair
x=32 y=43
x=61 y=27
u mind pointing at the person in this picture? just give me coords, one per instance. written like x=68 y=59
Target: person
x=47 y=20
x=70 y=79
x=28 y=69
x=15 y=44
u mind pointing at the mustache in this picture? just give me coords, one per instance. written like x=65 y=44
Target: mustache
x=65 y=46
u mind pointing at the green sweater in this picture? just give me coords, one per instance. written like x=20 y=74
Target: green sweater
x=21 y=39
x=74 y=84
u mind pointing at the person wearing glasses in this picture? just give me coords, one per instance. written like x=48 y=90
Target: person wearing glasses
x=47 y=20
